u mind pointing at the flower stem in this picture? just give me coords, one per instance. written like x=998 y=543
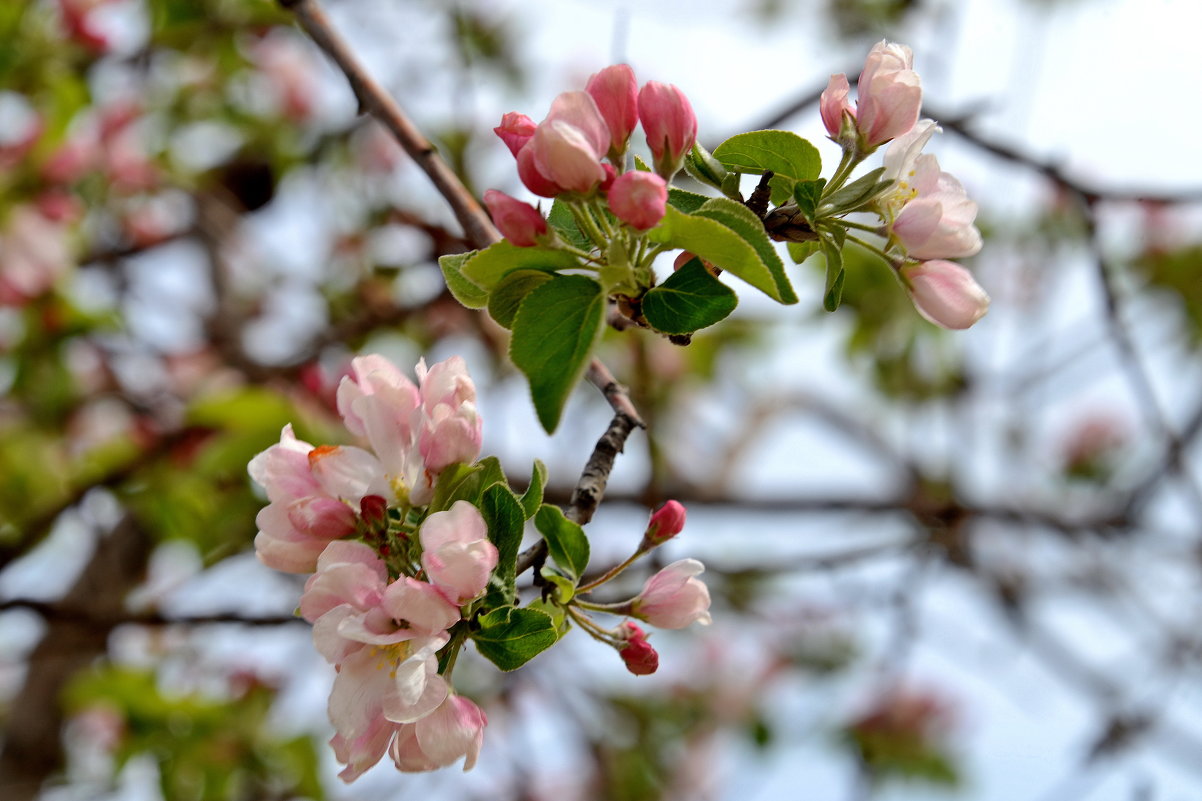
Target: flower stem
x=591 y=628
x=611 y=573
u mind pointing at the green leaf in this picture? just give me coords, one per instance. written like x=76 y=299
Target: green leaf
x=533 y=497
x=800 y=251
x=506 y=519
x=688 y=202
x=858 y=193
x=834 y=274
x=783 y=152
x=564 y=223
x=743 y=221
x=487 y=267
x=504 y=300
x=462 y=289
x=461 y=482
x=807 y=194
x=720 y=245
x=690 y=299
x=567 y=544
x=704 y=168
x=553 y=337
x=511 y=637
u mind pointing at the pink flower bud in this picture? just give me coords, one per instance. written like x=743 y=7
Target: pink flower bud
x=568 y=146
x=616 y=93
x=515 y=131
x=890 y=94
x=665 y=523
x=456 y=553
x=640 y=658
x=534 y=180
x=673 y=598
x=834 y=106
x=639 y=199
x=519 y=222
x=670 y=125
x=945 y=293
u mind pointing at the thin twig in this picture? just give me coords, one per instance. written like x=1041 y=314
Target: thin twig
x=79 y=613
x=477 y=226
x=586 y=497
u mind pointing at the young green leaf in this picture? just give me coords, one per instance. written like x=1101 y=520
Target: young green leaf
x=532 y=498
x=800 y=251
x=833 y=295
x=784 y=152
x=743 y=221
x=719 y=245
x=567 y=544
x=462 y=289
x=807 y=194
x=504 y=300
x=564 y=223
x=506 y=519
x=690 y=299
x=510 y=637
x=704 y=168
x=688 y=202
x=858 y=193
x=553 y=335
x=487 y=267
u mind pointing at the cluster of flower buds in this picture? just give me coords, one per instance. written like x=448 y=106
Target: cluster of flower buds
x=373 y=618
x=927 y=214
x=578 y=152
x=672 y=598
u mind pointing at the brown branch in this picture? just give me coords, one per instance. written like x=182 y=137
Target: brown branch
x=32 y=749
x=374 y=100
x=586 y=497
x=67 y=613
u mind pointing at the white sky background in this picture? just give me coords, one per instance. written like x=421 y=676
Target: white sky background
x=1110 y=88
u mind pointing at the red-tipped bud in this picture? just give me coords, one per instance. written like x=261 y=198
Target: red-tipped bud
x=640 y=658
x=374 y=511
x=515 y=131
x=519 y=222
x=665 y=523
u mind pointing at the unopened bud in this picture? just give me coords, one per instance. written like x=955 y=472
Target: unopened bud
x=665 y=523
x=640 y=658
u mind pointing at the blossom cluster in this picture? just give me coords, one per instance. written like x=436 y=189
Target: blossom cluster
x=578 y=152
x=402 y=576
x=928 y=216
x=373 y=619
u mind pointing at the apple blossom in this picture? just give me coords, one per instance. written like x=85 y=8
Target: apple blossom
x=639 y=199
x=568 y=145
x=673 y=598
x=616 y=93
x=519 y=222
x=670 y=125
x=455 y=729
x=945 y=293
x=889 y=94
x=450 y=430
x=937 y=222
x=313 y=493
x=456 y=552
